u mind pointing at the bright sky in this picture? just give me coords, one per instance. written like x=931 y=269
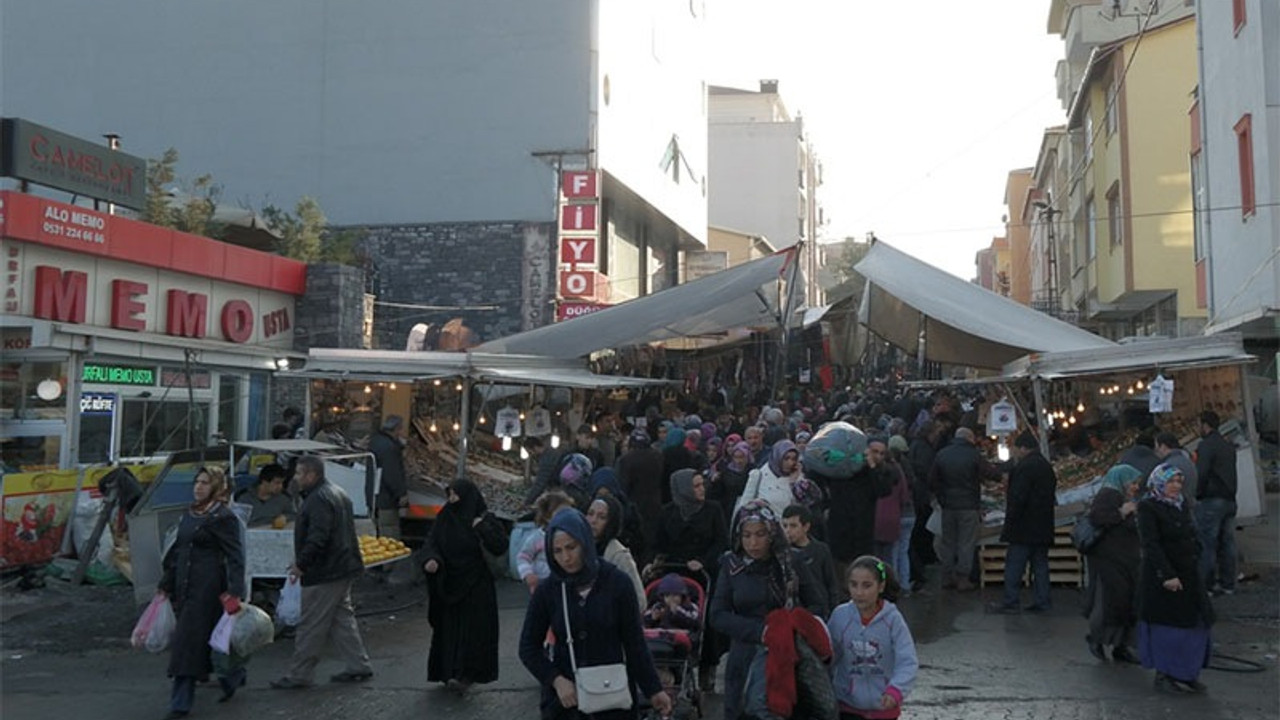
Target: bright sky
x=918 y=110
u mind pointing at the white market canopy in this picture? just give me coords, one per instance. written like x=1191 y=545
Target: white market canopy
x=479 y=366
x=1136 y=356
x=742 y=296
x=964 y=323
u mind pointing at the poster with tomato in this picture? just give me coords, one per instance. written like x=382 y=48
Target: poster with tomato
x=36 y=508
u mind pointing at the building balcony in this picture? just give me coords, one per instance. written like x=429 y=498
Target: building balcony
x=1053 y=308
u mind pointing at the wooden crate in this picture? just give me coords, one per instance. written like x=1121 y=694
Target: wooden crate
x=1066 y=568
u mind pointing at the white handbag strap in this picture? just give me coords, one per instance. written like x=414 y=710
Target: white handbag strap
x=568 y=631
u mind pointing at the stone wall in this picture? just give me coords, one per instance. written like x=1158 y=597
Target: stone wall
x=331 y=314
x=433 y=273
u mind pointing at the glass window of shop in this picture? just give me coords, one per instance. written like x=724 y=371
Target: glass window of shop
x=229 y=406
x=151 y=425
x=33 y=412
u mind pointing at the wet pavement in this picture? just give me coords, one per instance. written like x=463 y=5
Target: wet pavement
x=66 y=655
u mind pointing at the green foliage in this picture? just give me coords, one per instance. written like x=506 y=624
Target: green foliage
x=185 y=206
x=304 y=234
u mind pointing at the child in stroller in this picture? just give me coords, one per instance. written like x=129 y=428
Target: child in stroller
x=673 y=631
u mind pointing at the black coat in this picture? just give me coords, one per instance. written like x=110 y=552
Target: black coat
x=703 y=537
x=1115 y=561
x=640 y=475
x=1141 y=458
x=727 y=488
x=606 y=630
x=324 y=536
x=676 y=457
x=739 y=604
x=920 y=457
x=957 y=475
x=389 y=453
x=1030 y=501
x=851 y=523
x=206 y=560
x=1216 y=467
x=1170 y=549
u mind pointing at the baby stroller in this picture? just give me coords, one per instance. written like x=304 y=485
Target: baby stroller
x=676 y=652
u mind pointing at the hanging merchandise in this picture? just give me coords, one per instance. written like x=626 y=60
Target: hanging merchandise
x=1160 y=395
x=539 y=424
x=507 y=423
x=1002 y=418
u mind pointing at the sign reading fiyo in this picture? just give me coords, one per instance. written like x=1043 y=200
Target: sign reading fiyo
x=580 y=283
x=45 y=156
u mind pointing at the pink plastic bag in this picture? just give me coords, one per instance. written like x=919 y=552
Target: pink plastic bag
x=155 y=627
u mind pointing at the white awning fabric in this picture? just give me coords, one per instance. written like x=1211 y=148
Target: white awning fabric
x=1136 y=356
x=742 y=296
x=965 y=324
x=481 y=367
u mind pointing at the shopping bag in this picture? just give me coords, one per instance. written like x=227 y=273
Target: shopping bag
x=143 y=628
x=289 y=609
x=836 y=452
x=161 y=628
x=252 y=631
x=220 y=639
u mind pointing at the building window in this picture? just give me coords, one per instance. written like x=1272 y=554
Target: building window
x=1088 y=135
x=1091 y=228
x=1238 y=15
x=1200 y=238
x=1244 y=146
x=1115 y=215
x=1111 y=116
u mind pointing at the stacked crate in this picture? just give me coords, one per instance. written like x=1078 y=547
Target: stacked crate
x=1066 y=567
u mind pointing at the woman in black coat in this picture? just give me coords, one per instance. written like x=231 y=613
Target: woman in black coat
x=1114 y=564
x=203 y=577
x=1174 y=613
x=464 y=604
x=690 y=531
x=603 y=615
x=760 y=575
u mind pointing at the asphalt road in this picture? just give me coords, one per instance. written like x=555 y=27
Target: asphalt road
x=65 y=655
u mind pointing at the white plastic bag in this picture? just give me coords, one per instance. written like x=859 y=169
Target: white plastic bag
x=84 y=518
x=220 y=640
x=289 y=609
x=155 y=636
x=253 y=630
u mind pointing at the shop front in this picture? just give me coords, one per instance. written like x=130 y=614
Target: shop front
x=126 y=340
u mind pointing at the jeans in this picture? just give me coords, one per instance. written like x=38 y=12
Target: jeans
x=1216 y=523
x=1015 y=565
x=900 y=557
x=183 y=695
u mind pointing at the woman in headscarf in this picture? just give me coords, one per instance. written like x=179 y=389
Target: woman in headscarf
x=640 y=477
x=601 y=604
x=759 y=576
x=604 y=517
x=575 y=478
x=690 y=531
x=1174 y=612
x=675 y=456
x=730 y=477
x=772 y=483
x=630 y=525
x=464 y=604
x=203 y=577
x=1114 y=564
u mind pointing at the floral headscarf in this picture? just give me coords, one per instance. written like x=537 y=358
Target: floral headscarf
x=736 y=466
x=576 y=471
x=807 y=493
x=783 y=582
x=1160 y=477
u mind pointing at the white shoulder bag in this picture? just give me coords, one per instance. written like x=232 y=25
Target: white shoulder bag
x=600 y=687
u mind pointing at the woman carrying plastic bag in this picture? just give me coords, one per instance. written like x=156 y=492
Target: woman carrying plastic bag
x=155 y=627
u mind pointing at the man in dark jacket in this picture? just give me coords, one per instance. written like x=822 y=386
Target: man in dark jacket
x=1028 y=524
x=327 y=564
x=387 y=447
x=851 y=520
x=1143 y=453
x=1216 y=506
x=956 y=479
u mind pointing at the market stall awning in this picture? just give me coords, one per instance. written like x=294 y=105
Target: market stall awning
x=742 y=296
x=964 y=323
x=483 y=367
x=1135 y=356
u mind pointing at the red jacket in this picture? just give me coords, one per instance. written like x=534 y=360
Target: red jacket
x=781 y=628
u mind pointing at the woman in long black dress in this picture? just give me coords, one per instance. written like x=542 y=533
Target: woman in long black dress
x=1174 y=613
x=203 y=577
x=1114 y=564
x=464 y=603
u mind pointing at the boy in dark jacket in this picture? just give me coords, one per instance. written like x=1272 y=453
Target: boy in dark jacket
x=797 y=520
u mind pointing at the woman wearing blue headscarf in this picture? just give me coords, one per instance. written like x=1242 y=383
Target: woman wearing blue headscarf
x=1174 y=612
x=630 y=530
x=1114 y=564
x=604 y=616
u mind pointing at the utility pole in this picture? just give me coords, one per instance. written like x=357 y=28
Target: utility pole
x=1047 y=214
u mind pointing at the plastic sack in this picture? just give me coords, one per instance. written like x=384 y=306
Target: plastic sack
x=838 y=451
x=289 y=609
x=520 y=533
x=253 y=631
x=155 y=627
x=220 y=638
x=84 y=518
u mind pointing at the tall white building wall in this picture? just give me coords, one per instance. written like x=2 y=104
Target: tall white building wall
x=1241 y=74
x=755 y=187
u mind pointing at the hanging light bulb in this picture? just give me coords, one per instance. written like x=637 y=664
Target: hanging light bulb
x=1002 y=450
x=436 y=382
x=1140 y=385
x=555 y=441
x=595 y=428
x=456 y=426
x=433 y=427
x=392 y=386
x=1080 y=407
x=1071 y=420
x=458 y=387
x=483 y=420
x=522 y=415
x=1130 y=391
x=524 y=454
x=506 y=442
x=368 y=389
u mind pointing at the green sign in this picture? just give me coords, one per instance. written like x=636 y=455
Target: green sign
x=118 y=374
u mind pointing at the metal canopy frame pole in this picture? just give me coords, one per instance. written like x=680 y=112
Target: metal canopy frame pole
x=1037 y=388
x=464 y=424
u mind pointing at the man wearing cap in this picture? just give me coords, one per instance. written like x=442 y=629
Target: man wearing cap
x=387 y=446
x=1028 y=525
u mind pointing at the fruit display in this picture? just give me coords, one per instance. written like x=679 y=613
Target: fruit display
x=374 y=550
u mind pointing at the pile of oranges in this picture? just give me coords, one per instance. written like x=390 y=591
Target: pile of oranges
x=379 y=549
